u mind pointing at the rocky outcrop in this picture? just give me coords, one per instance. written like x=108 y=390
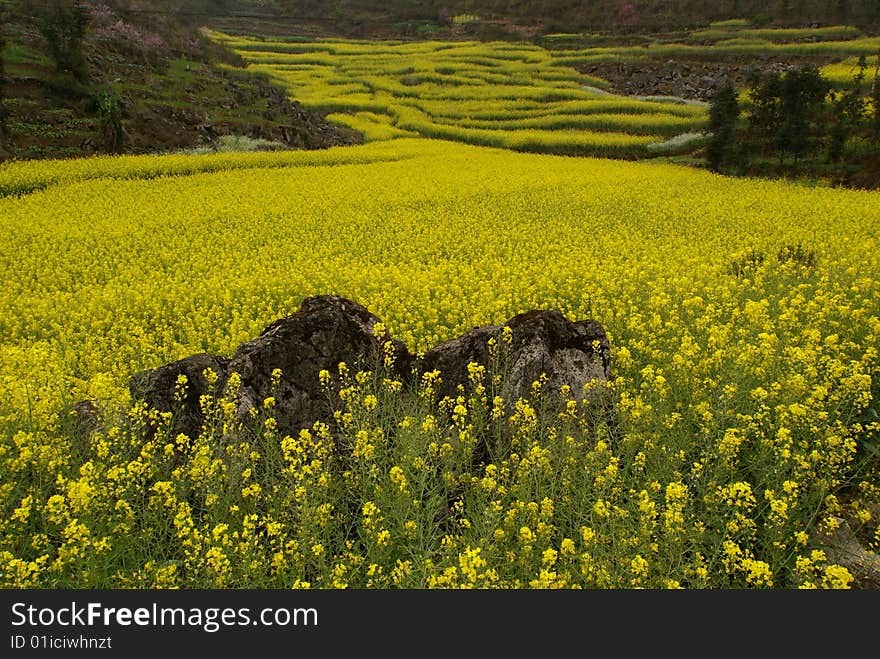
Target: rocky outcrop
x=843 y=547
x=325 y=331
x=540 y=342
x=329 y=329
x=158 y=389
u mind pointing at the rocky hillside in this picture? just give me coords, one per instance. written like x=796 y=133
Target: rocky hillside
x=137 y=82
x=692 y=80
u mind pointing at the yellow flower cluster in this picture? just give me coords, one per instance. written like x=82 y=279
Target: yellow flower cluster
x=743 y=389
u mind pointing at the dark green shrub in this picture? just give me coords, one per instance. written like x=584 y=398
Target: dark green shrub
x=63 y=24
x=723 y=114
x=797 y=253
x=110 y=117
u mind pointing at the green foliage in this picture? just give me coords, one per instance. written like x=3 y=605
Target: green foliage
x=110 y=116
x=787 y=110
x=63 y=24
x=847 y=109
x=723 y=114
x=801 y=120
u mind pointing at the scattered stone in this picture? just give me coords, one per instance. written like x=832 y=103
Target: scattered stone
x=85 y=417
x=843 y=547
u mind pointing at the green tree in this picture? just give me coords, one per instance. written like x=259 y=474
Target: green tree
x=788 y=112
x=848 y=108
x=803 y=104
x=723 y=114
x=63 y=24
x=765 y=111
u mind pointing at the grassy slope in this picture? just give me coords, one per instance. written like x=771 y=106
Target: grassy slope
x=181 y=99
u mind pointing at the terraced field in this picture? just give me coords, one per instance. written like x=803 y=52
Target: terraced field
x=516 y=96
x=524 y=96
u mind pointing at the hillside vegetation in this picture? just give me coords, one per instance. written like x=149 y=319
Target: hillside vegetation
x=492 y=18
x=134 y=82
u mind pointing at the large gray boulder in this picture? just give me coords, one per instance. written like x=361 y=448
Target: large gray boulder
x=157 y=389
x=327 y=330
x=541 y=342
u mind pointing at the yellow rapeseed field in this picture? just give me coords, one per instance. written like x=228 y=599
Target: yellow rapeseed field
x=844 y=72
x=744 y=319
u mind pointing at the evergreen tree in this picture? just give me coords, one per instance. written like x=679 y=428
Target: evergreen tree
x=723 y=115
x=765 y=111
x=787 y=115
